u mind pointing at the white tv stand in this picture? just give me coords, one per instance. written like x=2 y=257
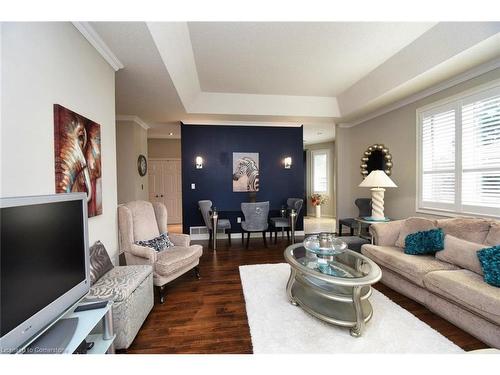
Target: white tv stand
x=93 y=325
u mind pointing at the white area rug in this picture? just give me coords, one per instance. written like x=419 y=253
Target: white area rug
x=277 y=326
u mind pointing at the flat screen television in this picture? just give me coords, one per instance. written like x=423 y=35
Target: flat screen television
x=44 y=263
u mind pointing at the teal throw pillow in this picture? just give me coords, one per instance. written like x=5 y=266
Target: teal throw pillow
x=490 y=263
x=425 y=242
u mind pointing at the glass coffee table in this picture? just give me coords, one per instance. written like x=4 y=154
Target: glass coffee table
x=333 y=288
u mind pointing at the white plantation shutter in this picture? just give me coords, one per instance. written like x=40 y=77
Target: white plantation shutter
x=459 y=154
x=438 y=158
x=481 y=153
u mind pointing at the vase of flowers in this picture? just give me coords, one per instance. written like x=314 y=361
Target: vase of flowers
x=317 y=201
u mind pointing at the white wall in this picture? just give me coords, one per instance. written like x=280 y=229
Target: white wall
x=131 y=141
x=397 y=131
x=44 y=64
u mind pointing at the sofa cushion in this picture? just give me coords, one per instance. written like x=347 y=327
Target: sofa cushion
x=413 y=225
x=171 y=260
x=466 y=228
x=461 y=253
x=467 y=289
x=413 y=268
x=493 y=238
x=119 y=283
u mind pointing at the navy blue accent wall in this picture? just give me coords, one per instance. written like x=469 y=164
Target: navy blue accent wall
x=216 y=144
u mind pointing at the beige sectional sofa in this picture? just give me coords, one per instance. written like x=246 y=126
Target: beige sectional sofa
x=458 y=294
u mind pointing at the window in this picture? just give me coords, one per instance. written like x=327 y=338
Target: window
x=320 y=170
x=459 y=154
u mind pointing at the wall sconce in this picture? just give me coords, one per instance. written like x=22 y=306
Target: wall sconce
x=199 y=162
x=288 y=162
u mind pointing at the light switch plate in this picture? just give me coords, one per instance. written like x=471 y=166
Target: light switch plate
x=193 y=186
x=238 y=220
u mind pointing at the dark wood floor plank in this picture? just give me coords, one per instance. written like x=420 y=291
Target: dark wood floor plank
x=209 y=316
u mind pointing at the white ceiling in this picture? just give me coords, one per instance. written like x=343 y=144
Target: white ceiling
x=287 y=58
x=310 y=74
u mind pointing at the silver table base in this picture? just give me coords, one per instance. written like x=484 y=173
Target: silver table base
x=344 y=306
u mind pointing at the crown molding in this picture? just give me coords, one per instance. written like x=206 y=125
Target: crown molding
x=244 y=123
x=134 y=119
x=463 y=77
x=163 y=136
x=345 y=125
x=95 y=40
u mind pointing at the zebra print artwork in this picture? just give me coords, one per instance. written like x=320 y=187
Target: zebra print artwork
x=245 y=171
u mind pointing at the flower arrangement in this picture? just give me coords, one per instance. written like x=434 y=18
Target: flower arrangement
x=318 y=199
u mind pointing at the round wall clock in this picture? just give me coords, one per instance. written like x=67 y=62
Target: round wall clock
x=142 y=165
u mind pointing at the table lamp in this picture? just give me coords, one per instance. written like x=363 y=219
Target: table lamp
x=377 y=180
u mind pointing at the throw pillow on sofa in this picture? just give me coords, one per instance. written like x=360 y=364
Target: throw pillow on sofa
x=461 y=253
x=159 y=243
x=490 y=263
x=413 y=225
x=424 y=242
x=99 y=263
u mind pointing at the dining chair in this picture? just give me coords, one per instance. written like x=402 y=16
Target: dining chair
x=224 y=224
x=364 y=206
x=256 y=219
x=283 y=223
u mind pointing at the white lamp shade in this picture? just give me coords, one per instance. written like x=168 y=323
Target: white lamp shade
x=377 y=179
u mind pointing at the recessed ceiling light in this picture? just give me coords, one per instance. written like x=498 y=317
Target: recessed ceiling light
x=170 y=133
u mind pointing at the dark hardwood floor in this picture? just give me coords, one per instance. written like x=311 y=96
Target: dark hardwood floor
x=208 y=315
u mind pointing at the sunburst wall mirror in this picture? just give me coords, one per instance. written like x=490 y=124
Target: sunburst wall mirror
x=376 y=157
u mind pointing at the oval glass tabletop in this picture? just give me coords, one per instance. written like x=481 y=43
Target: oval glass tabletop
x=349 y=265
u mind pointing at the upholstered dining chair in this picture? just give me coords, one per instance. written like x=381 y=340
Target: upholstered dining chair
x=283 y=223
x=224 y=224
x=142 y=221
x=256 y=219
x=364 y=206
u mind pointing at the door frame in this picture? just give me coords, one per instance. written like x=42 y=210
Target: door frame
x=171 y=159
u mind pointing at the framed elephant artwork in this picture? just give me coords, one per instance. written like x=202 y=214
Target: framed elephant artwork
x=77 y=146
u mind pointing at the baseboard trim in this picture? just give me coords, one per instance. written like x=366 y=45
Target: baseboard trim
x=221 y=236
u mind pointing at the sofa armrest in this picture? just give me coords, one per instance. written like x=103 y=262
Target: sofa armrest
x=180 y=239
x=386 y=234
x=145 y=252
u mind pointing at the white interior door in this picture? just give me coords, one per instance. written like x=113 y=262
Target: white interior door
x=165 y=186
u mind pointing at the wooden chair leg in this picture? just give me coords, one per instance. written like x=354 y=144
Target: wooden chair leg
x=229 y=238
x=197 y=272
x=248 y=239
x=276 y=235
x=209 y=238
x=288 y=234
x=242 y=237
x=161 y=293
x=265 y=239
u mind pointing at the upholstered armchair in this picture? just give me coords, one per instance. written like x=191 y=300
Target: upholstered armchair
x=140 y=221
